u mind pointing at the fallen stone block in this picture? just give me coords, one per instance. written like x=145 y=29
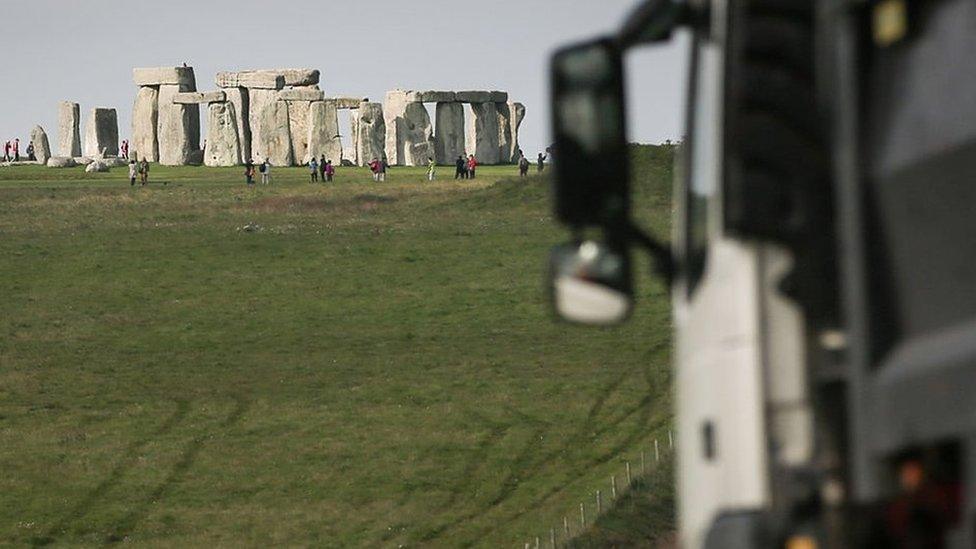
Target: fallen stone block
x=42 y=147
x=145 y=117
x=61 y=162
x=301 y=94
x=160 y=76
x=199 y=98
x=82 y=160
x=102 y=133
x=481 y=96
x=97 y=166
x=448 y=132
x=250 y=79
x=69 y=129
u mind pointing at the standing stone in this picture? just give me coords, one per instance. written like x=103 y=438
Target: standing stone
x=259 y=99
x=102 y=133
x=482 y=133
x=417 y=135
x=393 y=110
x=42 y=147
x=298 y=113
x=239 y=98
x=223 y=143
x=69 y=129
x=323 y=132
x=354 y=130
x=517 y=111
x=145 y=117
x=505 y=138
x=371 y=127
x=275 y=135
x=178 y=129
x=449 y=132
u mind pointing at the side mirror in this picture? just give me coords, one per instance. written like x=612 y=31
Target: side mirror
x=592 y=166
x=591 y=283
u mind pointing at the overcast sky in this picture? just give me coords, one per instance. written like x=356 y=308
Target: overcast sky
x=84 y=51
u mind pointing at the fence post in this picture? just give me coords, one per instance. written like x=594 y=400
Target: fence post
x=566 y=527
x=670 y=441
x=599 y=503
x=537 y=542
x=613 y=487
x=552 y=537
x=643 y=468
x=629 y=479
x=657 y=452
x=582 y=516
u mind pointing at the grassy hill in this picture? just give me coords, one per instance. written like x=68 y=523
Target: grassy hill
x=359 y=364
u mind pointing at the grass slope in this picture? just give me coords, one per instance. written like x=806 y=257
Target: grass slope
x=372 y=365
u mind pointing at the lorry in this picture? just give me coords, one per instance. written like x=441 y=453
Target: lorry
x=822 y=267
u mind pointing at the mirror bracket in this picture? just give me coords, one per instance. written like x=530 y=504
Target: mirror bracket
x=662 y=259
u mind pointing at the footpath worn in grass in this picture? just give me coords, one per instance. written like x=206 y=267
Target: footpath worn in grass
x=356 y=364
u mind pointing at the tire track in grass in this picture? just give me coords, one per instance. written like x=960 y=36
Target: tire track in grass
x=129 y=457
x=130 y=521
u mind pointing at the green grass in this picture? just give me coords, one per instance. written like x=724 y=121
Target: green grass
x=371 y=365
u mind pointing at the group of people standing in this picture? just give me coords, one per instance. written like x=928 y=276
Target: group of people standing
x=140 y=169
x=250 y=169
x=11 y=150
x=321 y=169
x=465 y=168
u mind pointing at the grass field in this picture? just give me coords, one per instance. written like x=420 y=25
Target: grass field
x=360 y=364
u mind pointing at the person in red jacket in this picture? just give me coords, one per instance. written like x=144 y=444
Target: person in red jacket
x=472 y=164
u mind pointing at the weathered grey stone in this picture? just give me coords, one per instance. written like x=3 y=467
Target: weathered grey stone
x=393 y=111
x=178 y=129
x=482 y=133
x=261 y=80
x=274 y=142
x=159 y=76
x=348 y=102
x=258 y=100
x=61 y=162
x=102 y=133
x=432 y=96
x=417 y=135
x=239 y=98
x=195 y=158
x=69 y=129
x=298 y=122
x=223 y=142
x=299 y=77
x=449 y=132
x=517 y=114
x=481 y=96
x=199 y=98
x=145 y=117
x=97 y=166
x=42 y=147
x=353 y=155
x=82 y=160
x=301 y=94
x=114 y=162
x=323 y=133
x=371 y=133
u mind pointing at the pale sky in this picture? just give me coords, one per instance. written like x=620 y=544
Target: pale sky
x=84 y=51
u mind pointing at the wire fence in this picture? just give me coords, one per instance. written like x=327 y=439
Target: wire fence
x=578 y=520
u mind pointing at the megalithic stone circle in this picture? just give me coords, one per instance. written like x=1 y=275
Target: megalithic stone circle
x=69 y=129
x=417 y=135
x=145 y=118
x=275 y=134
x=42 y=147
x=102 y=133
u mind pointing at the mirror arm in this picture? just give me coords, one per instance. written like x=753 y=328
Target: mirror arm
x=663 y=261
x=652 y=21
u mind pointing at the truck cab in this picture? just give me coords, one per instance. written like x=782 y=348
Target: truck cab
x=821 y=271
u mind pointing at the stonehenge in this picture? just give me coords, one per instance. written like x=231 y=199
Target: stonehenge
x=69 y=129
x=102 y=133
x=283 y=116
x=42 y=147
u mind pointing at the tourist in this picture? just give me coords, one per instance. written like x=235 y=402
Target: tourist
x=541 y=163
x=523 y=164
x=133 y=171
x=6 y=151
x=431 y=165
x=472 y=165
x=313 y=166
x=30 y=152
x=322 y=173
x=329 y=171
x=382 y=169
x=144 y=172
x=266 y=172
x=460 y=168
x=374 y=166
x=249 y=172
x=17 y=150
x=124 y=149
